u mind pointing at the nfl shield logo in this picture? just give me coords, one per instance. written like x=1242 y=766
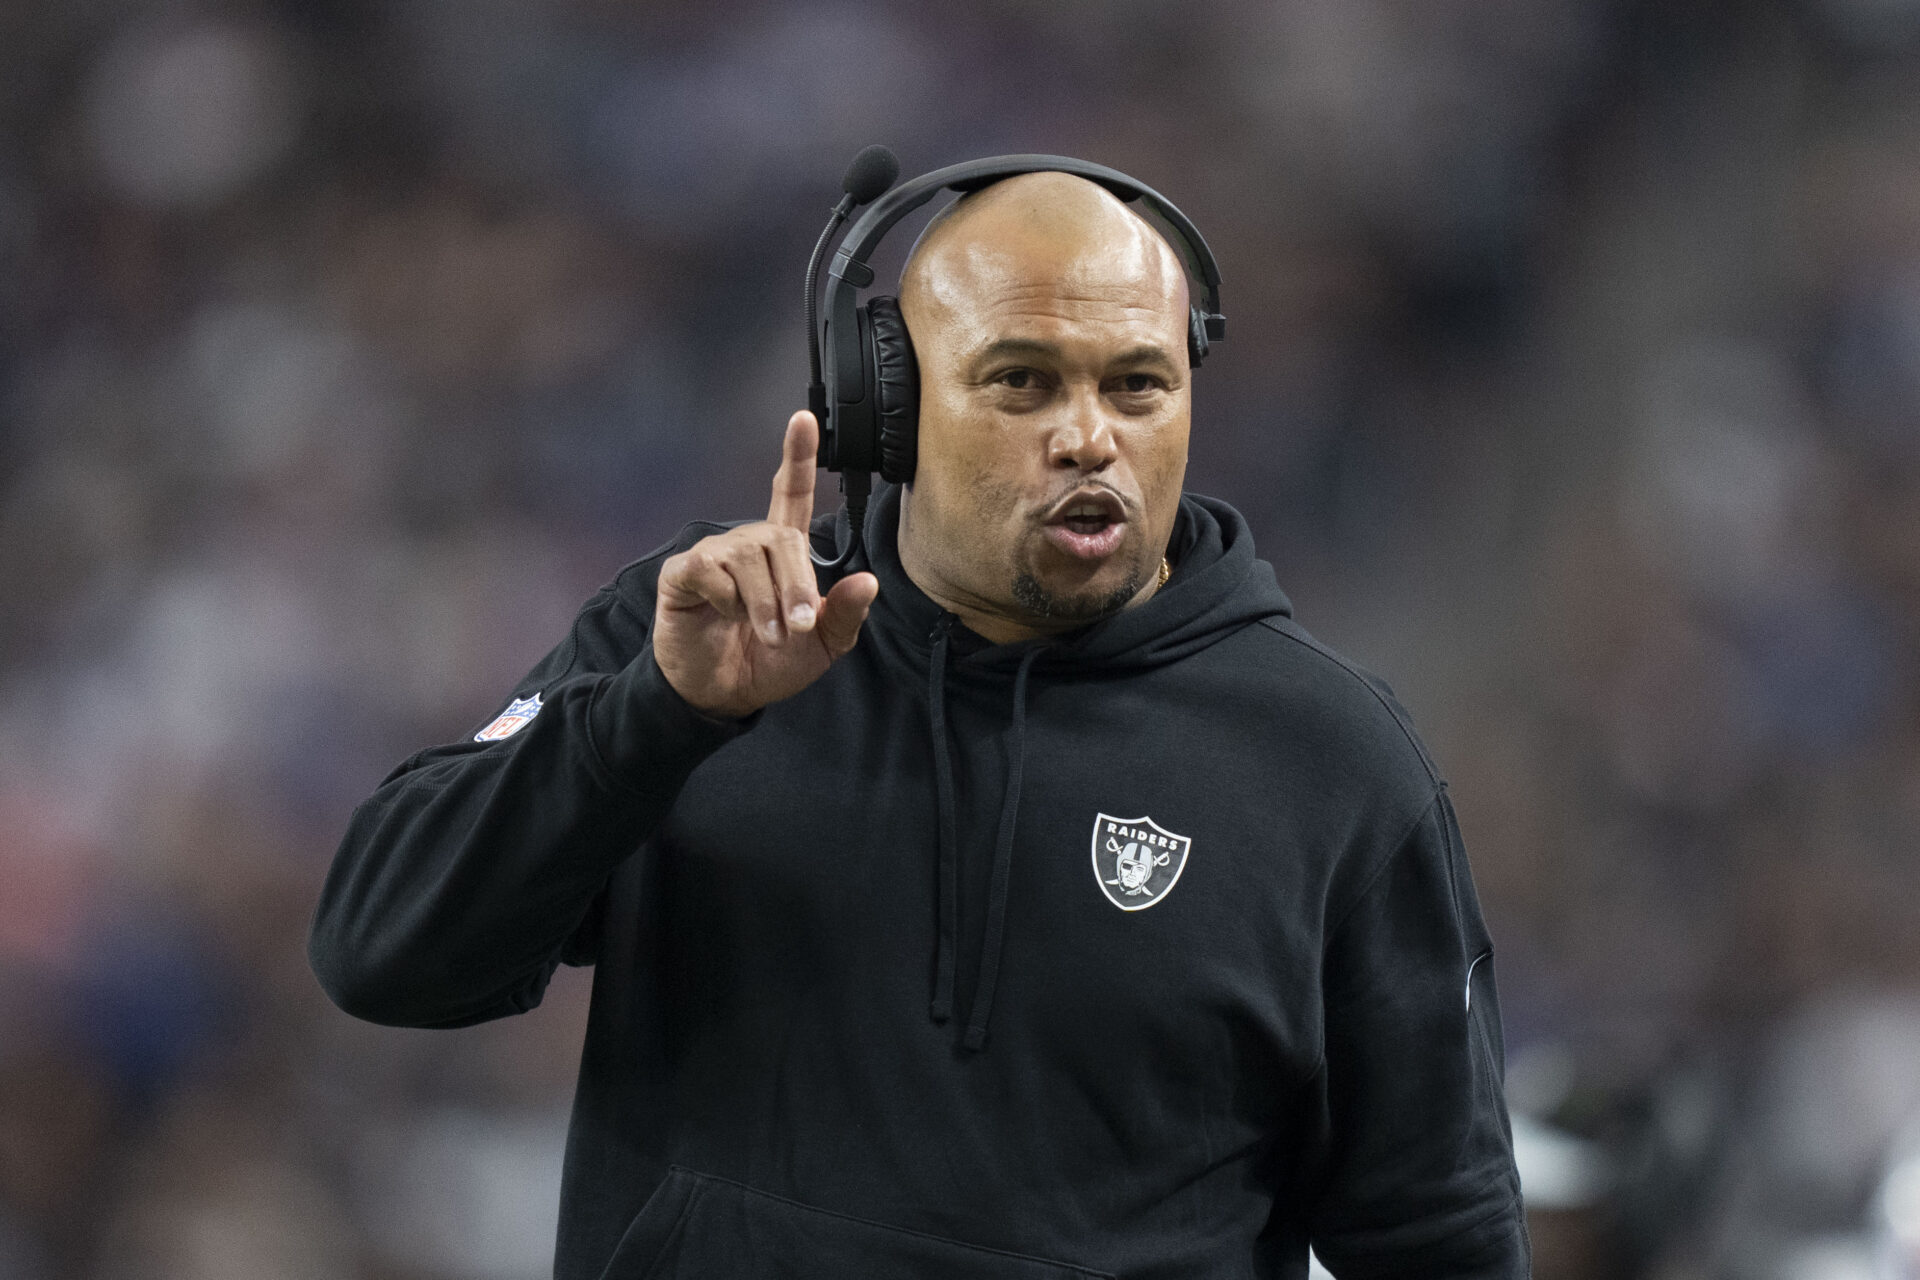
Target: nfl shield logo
x=1136 y=860
x=511 y=721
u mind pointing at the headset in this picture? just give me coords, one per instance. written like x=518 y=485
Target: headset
x=867 y=397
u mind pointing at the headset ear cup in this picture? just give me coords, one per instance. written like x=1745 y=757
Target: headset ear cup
x=896 y=390
x=1196 y=337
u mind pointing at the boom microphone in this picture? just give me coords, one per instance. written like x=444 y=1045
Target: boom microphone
x=868 y=177
x=870 y=174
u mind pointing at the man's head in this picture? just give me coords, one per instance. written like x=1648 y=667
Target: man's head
x=1050 y=326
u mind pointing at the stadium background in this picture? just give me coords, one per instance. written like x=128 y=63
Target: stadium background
x=1573 y=385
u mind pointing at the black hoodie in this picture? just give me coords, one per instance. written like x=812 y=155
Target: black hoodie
x=1145 y=951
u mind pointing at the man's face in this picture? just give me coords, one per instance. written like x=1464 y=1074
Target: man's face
x=1050 y=327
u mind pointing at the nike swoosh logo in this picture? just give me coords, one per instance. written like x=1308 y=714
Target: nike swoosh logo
x=1470 y=968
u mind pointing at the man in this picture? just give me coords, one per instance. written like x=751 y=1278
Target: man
x=1042 y=903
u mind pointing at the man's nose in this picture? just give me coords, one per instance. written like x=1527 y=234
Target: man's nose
x=1083 y=439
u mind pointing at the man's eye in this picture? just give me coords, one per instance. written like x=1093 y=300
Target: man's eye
x=1140 y=382
x=1018 y=379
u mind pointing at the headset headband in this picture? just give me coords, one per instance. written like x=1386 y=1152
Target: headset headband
x=850 y=267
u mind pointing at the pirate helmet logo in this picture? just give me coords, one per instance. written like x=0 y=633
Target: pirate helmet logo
x=1136 y=860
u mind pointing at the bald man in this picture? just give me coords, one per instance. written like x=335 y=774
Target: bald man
x=1045 y=902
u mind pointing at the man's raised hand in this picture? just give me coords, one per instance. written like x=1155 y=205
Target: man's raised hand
x=739 y=621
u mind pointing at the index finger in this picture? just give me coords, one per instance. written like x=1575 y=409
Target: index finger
x=792 y=503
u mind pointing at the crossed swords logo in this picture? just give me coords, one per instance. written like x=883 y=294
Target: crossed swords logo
x=1134 y=864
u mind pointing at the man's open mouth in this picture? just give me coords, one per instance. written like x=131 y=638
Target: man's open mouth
x=1088 y=524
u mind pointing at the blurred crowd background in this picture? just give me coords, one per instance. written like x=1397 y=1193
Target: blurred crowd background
x=1573 y=385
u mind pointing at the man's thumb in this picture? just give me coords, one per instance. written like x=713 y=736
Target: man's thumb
x=844 y=609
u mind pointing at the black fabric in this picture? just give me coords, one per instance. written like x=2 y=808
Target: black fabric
x=896 y=390
x=990 y=946
x=699 y=1227
x=949 y=874
x=1278 y=1049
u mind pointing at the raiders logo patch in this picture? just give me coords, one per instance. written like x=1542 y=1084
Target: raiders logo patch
x=1136 y=860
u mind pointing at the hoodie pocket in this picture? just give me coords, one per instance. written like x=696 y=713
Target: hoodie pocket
x=699 y=1227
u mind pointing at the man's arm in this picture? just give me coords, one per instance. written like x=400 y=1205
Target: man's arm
x=1418 y=1176
x=461 y=877
x=460 y=880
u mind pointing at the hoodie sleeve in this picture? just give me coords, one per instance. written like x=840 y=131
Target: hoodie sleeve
x=471 y=872
x=1418 y=1180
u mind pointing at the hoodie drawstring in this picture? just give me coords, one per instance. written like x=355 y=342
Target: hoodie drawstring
x=949 y=873
x=1002 y=861
x=949 y=870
